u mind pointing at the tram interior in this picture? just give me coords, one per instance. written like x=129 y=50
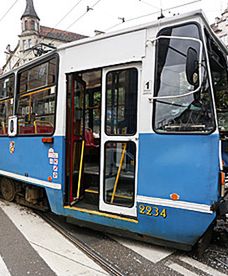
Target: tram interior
x=84 y=147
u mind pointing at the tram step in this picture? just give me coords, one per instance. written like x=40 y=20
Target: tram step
x=91 y=195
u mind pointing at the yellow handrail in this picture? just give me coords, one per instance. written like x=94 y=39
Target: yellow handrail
x=80 y=170
x=118 y=173
x=3 y=127
x=42 y=123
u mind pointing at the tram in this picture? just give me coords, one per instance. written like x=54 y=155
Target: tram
x=126 y=131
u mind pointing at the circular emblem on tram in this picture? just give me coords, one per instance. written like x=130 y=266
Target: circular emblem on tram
x=12 y=147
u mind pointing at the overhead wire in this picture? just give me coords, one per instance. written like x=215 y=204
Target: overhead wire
x=87 y=10
x=9 y=9
x=80 y=17
x=153 y=13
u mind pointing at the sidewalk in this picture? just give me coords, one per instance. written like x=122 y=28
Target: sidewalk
x=30 y=246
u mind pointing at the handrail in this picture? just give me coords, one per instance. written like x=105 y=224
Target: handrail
x=199 y=63
x=118 y=173
x=42 y=123
x=80 y=169
x=3 y=127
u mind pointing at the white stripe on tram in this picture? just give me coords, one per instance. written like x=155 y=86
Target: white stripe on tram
x=32 y=180
x=203 y=208
x=3 y=268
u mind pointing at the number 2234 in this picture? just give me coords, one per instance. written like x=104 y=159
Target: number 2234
x=152 y=211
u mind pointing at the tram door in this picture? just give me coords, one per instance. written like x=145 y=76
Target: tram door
x=83 y=138
x=119 y=136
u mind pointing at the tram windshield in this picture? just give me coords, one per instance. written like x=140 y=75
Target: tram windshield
x=218 y=67
x=174 y=111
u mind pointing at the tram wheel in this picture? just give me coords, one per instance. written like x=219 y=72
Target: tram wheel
x=8 y=189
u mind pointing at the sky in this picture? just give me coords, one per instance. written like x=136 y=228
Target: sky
x=105 y=15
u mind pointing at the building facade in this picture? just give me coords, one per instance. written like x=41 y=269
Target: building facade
x=35 y=39
x=220 y=27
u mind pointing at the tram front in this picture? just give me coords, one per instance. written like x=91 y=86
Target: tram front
x=190 y=124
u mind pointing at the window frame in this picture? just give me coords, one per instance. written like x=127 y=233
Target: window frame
x=137 y=99
x=202 y=38
x=9 y=98
x=33 y=91
x=135 y=173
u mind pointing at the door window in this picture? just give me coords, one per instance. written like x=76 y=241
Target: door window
x=121 y=102
x=119 y=173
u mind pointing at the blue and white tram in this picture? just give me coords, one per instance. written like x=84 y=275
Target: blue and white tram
x=124 y=130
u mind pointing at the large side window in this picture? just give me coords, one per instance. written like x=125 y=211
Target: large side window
x=121 y=102
x=36 y=99
x=175 y=112
x=6 y=102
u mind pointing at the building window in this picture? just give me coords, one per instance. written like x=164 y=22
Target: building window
x=36 y=26
x=24 y=46
x=33 y=25
x=29 y=43
x=26 y=25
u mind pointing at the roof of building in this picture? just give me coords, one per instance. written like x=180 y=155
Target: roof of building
x=30 y=10
x=57 y=34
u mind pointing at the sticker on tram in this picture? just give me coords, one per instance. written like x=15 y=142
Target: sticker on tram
x=56 y=161
x=152 y=211
x=50 y=153
x=55 y=168
x=55 y=175
x=51 y=161
x=12 y=147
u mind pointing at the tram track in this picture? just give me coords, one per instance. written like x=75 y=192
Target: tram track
x=116 y=259
x=214 y=256
x=89 y=251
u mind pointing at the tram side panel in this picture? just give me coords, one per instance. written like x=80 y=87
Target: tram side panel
x=178 y=185
x=29 y=160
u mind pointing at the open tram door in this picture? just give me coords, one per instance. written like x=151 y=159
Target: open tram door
x=119 y=140
x=83 y=138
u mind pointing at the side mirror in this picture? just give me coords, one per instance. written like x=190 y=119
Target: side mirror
x=192 y=66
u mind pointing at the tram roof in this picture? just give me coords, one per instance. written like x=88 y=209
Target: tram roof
x=161 y=22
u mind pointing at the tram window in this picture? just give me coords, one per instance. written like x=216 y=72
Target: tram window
x=38 y=76
x=191 y=113
x=7 y=87
x=121 y=102
x=6 y=110
x=36 y=108
x=119 y=173
x=6 y=102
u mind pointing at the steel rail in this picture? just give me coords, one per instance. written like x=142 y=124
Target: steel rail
x=90 y=252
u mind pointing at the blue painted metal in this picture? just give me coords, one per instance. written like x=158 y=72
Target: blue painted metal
x=184 y=164
x=30 y=157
